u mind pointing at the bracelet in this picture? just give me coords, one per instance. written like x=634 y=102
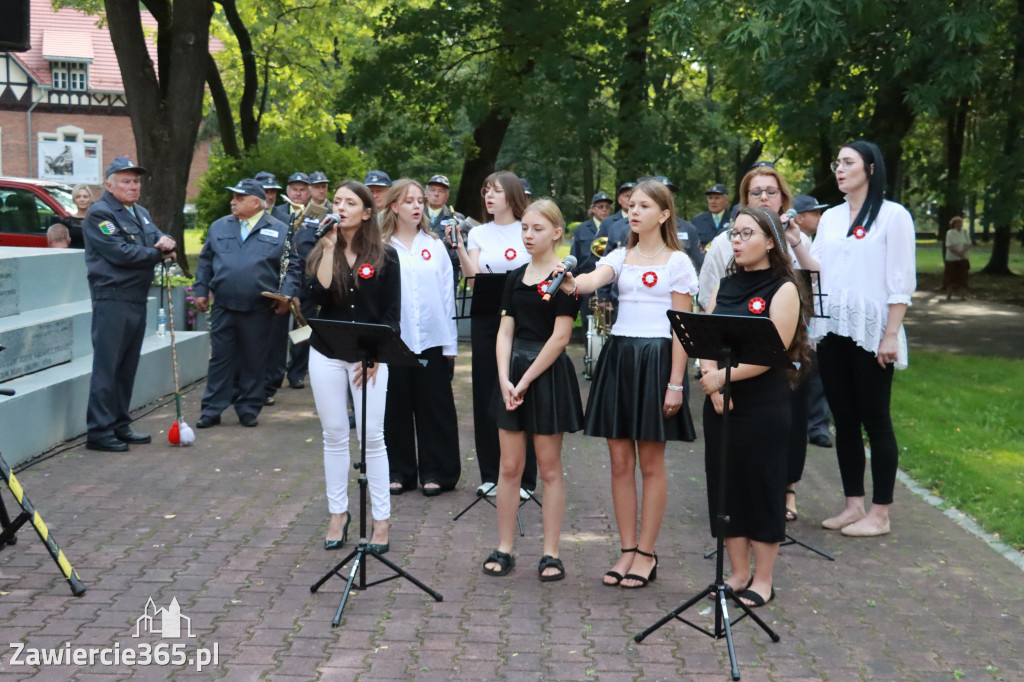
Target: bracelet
x=575 y=290
x=674 y=387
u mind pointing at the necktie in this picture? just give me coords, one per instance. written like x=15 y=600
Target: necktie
x=245 y=230
x=718 y=219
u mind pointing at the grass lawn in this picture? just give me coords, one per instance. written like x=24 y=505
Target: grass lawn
x=983 y=287
x=967 y=444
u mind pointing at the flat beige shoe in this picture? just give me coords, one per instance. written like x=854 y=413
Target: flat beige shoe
x=855 y=531
x=837 y=522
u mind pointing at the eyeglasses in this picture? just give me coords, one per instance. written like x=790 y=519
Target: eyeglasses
x=744 y=234
x=770 y=191
x=845 y=164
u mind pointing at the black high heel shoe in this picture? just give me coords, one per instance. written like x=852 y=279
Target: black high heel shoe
x=337 y=544
x=639 y=578
x=615 y=575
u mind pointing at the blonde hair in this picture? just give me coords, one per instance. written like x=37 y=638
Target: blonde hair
x=396 y=193
x=548 y=209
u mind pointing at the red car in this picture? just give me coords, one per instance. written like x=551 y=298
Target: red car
x=28 y=207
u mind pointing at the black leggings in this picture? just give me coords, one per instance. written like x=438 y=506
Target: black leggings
x=858 y=391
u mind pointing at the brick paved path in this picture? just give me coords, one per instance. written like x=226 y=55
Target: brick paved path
x=233 y=528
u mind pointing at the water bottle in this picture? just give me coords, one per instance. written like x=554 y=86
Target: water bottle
x=161 y=322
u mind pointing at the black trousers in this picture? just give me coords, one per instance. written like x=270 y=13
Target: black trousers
x=117 y=331
x=484 y=337
x=858 y=392
x=238 y=361
x=818 y=416
x=277 y=353
x=421 y=411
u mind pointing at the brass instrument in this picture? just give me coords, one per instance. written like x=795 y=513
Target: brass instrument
x=599 y=246
x=597 y=334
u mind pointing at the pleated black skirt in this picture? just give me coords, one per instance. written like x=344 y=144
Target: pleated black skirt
x=628 y=393
x=552 y=402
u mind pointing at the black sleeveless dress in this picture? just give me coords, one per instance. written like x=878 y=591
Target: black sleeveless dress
x=759 y=426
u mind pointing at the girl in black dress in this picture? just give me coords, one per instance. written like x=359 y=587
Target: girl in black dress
x=761 y=283
x=539 y=395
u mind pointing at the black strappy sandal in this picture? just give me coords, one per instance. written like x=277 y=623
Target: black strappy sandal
x=639 y=578
x=547 y=561
x=615 y=575
x=506 y=561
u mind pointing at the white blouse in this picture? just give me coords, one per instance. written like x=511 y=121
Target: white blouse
x=501 y=246
x=645 y=293
x=863 y=274
x=428 y=298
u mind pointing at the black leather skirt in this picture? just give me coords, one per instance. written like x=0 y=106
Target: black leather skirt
x=628 y=393
x=552 y=402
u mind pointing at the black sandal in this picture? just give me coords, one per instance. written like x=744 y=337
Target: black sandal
x=615 y=575
x=548 y=561
x=506 y=561
x=790 y=514
x=639 y=578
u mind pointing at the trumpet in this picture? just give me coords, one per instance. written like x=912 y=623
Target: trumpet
x=597 y=334
x=598 y=246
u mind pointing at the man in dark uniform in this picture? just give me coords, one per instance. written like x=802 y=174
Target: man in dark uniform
x=378 y=182
x=714 y=220
x=121 y=247
x=240 y=260
x=616 y=229
x=270 y=188
x=303 y=236
x=441 y=215
x=318 y=189
x=582 y=239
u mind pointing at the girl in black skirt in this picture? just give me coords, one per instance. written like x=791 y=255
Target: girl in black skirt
x=761 y=283
x=539 y=394
x=638 y=399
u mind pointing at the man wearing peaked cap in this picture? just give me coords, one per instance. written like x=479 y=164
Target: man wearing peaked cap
x=270 y=187
x=440 y=214
x=378 y=182
x=582 y=238
x=715 y=219
x=121 y=247
x=318 y=189
x=240 y=260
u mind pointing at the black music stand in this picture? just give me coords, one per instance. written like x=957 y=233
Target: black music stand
x=729 y=339
x=366 y=344
x=488 y=290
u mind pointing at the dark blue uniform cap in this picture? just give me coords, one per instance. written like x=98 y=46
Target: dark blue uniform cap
x=526 y=187
x=717 y=188
x=317 y=177
x=268 y=180
x=600 y=196
x=376 y=178
x=805 y=202
x=249 y=186
x=665 y=181
x=626 y=186
x=123 y=163
x=298 y=177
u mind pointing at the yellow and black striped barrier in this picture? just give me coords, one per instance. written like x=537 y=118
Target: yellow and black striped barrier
x=29 y=513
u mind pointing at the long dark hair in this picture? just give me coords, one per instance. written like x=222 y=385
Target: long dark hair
x=662 y=196
x=781 y=266
x=872 y=156
x=515 y=195
x=367 y=245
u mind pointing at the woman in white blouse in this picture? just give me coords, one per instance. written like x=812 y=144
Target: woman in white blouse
x=864 y=251
x=420 y=411
x=494 y=247
x=637 y=399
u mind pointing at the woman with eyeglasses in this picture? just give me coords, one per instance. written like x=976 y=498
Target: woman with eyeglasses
x=764 y=187
x=864 y=251
x=760 y=283
x=493 y=247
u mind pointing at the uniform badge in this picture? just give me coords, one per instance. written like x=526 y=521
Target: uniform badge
x=510 y=254
x=366 y=271
x=107 y=227
x=426 y=254
x=649 y=279
x=859 y=232
x=756 y=305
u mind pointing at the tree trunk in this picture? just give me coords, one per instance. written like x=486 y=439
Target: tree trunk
x=744 y=162
x=953 y=199
x=1004 y=201
x=631 y=91
x=890 y=122
x=488 y=137
x=250 y=82
x=587 y=157
x=222 y=108
x=166 y=107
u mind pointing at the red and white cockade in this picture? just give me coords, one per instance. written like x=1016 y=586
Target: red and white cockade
x=366 y=271
x=649 y=279
x=756 y=305
x=542 y=287
x=859 y=232
x=426 y=254
x=510 y=254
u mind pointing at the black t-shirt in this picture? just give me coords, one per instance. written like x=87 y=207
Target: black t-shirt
x=534 y=317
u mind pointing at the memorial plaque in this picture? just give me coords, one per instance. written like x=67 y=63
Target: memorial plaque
x=31 y=349
x=8 y=289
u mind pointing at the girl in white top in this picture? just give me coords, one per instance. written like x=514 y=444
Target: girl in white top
x=955 y=278
x=864 y=251
x=637 y=398
x=420 y=412
x=494 y=247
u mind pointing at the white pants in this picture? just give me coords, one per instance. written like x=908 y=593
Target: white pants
x=329 y=380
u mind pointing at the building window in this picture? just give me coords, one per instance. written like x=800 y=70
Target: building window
x=69 y=76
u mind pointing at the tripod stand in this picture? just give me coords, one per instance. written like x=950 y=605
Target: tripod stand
x=366 y=344
x=730 y=340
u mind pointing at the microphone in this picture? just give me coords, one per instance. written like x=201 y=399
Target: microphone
x=791 y=213
x=329 y=221
x=569 y=263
